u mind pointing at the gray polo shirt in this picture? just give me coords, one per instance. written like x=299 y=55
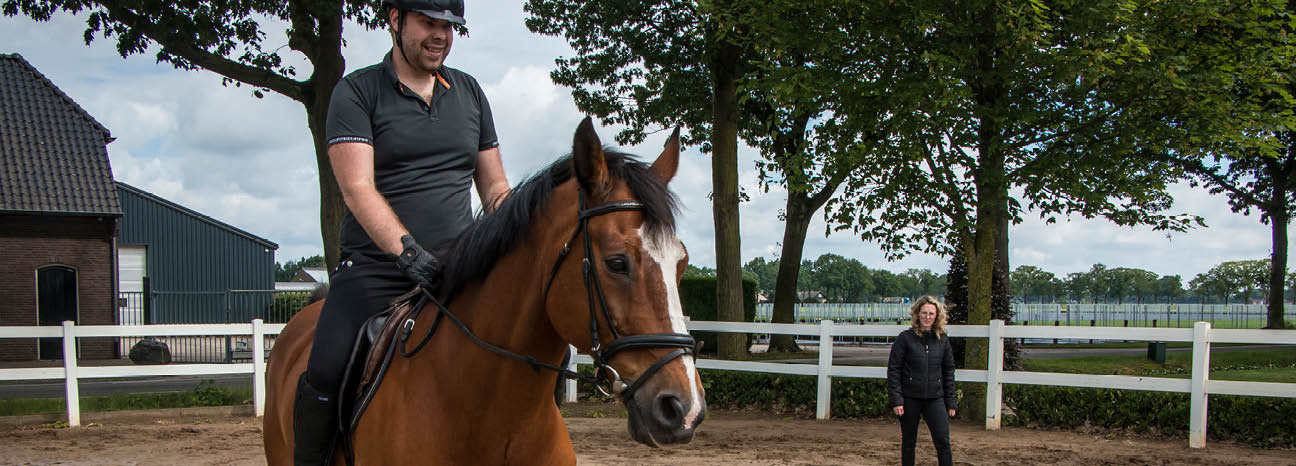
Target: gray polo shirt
x=424 y=155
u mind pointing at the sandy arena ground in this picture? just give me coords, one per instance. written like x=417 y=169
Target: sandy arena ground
x=725 y=438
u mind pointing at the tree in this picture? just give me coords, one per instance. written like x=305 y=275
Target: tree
x=1263 y=183
x=1232 y=278
x=286 y=271
x=923 y=282
x=1259 y=175
x=1171 y=287
x=1067 y=104
x=840 y=279
x=229 y=38
x=656 y=64
x=1028 y=280
x=765 y=272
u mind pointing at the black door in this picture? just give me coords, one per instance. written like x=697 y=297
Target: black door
x=56 y=301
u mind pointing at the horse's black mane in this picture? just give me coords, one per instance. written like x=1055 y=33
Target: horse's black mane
x=476 y=250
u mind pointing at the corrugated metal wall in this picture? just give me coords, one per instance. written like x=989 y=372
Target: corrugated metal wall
x=192 y=260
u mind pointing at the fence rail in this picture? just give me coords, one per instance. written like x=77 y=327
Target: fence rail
x=205 y=307
x=1199 y=386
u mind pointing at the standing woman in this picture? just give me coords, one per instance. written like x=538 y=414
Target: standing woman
x=920 y=380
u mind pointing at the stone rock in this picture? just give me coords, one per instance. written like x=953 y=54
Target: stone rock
x=150 y=351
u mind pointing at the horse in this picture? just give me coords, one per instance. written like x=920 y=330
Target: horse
x=482 y=393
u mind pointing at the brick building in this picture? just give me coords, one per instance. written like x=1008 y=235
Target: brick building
x=59 y=215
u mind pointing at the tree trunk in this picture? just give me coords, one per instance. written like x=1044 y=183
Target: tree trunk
x=1278 y=218
x=799 y=213
x=992 y=197
x=724 y=179
x=329 y=66
x=331 y=203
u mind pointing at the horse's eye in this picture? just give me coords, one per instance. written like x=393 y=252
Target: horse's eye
x=617 y=264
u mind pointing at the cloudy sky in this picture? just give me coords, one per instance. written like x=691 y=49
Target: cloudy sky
x=249 y=162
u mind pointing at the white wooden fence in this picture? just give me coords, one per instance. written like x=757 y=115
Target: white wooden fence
x=1199 y=386
x=71 y=373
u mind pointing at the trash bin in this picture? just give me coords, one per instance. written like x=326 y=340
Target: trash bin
x=1156 y=351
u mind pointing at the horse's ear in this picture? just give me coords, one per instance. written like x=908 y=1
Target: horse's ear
x=587 y=158
x=668 y=162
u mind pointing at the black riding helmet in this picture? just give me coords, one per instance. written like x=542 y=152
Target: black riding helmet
x=449 y=10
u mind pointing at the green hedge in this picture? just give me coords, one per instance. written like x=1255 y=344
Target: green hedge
x=1258 y=421
x=698 y=296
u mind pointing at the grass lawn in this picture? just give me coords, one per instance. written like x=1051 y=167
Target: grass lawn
x=1270 y=365
x=205 y=395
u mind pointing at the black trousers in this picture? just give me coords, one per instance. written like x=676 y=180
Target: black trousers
x=361 y=287
x=933 y=410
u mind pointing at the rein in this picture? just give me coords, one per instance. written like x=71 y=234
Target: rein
x=682 y=342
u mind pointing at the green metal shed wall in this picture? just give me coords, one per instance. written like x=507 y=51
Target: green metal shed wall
x=192 y=260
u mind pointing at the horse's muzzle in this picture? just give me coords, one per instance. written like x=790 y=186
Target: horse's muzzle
x=664 y=418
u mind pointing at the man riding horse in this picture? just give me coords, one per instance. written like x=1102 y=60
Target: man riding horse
x=407 y=138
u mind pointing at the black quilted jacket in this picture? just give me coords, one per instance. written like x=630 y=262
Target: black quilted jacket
x=921 y=367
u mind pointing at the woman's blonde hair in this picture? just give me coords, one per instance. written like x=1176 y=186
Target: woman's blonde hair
x=942 y=317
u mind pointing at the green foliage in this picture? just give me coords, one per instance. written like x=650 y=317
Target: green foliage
x=1231 y=279
x=698 y=297
x=691 y=271
x=847 y=280
x=284 y=305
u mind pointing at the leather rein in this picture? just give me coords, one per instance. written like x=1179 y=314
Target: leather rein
x=682 y=342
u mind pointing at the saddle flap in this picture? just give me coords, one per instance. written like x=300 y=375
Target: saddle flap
x=381 y=331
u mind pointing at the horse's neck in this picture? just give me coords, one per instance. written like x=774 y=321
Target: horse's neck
x=504 y=309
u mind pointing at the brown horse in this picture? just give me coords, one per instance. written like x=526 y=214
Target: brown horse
x=458 y=402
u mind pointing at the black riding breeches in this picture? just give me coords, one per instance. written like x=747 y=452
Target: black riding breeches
x=360 y=288
x=933 y=410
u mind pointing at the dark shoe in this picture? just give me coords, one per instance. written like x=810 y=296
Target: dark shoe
x=314 y=425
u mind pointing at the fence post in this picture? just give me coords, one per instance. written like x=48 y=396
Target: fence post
x=823 y=401
x=70 y=374
x=258 y=367
x=570 y=392
x=994 y=375
x=1200 y=375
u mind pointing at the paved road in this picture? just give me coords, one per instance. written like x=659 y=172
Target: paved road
x=93 y=387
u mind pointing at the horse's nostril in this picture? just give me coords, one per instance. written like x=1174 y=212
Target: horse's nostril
x=669 y=411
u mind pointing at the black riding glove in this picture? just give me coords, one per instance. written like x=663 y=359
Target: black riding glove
x=419 y=265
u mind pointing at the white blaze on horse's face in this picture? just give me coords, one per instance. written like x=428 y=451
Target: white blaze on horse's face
x=668 y=251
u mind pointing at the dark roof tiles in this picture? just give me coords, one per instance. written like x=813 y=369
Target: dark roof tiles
x=53 y=154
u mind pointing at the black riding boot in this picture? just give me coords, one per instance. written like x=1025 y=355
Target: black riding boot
x=314 y=425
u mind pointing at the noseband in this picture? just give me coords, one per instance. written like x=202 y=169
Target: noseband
x=682 y=342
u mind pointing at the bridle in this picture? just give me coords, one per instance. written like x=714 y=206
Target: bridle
x=682 y=342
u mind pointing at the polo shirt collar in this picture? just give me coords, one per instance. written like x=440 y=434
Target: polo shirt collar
x=390 y=70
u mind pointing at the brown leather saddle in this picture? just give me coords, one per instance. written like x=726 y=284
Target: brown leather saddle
x=378 y=342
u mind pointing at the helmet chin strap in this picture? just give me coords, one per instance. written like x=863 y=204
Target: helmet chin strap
x=400 y=33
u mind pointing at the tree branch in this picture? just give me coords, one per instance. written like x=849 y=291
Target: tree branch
x=301 y=38
x=1197 y=167
x=173 y=43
